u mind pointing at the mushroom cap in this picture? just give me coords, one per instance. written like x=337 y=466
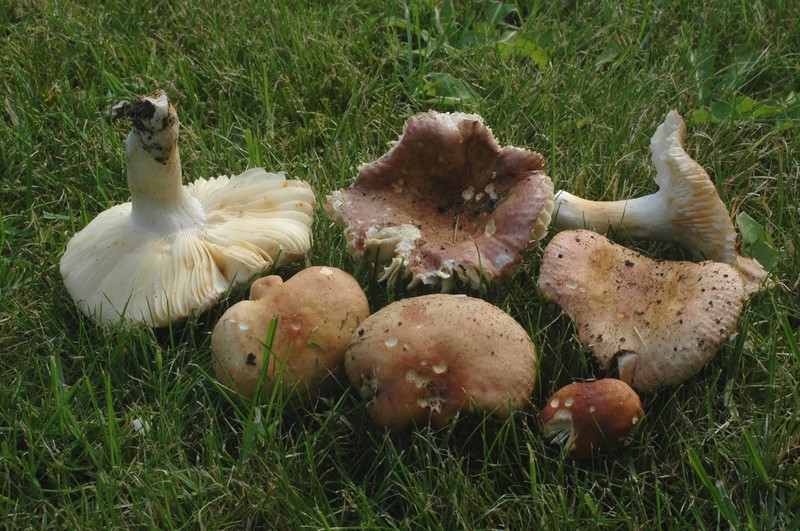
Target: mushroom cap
x=698 y=214
x=424 y=359
x=175 y=249
x=317 y=311
x=661 y=321
x=587 y=417
x=446 y=204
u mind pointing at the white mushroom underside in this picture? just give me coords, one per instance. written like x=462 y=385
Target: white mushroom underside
x=115 y=268
x=560 y=429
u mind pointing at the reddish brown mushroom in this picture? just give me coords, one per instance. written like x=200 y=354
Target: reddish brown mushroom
x=590 y=417
x=426 y=359
x=446 y=204
x=660 y=321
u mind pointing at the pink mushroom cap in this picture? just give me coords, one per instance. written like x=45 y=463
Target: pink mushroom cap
x=446 y=204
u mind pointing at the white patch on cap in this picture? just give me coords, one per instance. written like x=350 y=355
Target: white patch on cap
x=503 y=260
x=418 y=380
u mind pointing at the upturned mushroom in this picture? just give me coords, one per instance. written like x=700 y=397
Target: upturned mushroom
x=446 y=204
x=660 y=321
x=586 y=418
x=425 y=359
x=686 y=209
x=174 y=249
x=317 y=310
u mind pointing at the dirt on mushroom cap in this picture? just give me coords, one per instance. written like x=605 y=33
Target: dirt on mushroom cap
x=660 y=321
x=425 y=359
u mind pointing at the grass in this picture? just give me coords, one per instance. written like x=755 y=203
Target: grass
x=315 y=89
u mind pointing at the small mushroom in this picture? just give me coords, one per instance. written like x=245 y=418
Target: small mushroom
x=175 y=249
x=425 y=359
x=317 y=311
x=446 y=204
x=589 y=417
x=660 y=321
x=685 y=210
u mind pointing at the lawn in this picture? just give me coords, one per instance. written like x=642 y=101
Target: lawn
x=316 y=89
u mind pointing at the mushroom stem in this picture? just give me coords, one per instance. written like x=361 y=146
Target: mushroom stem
x=637 y=218
x=159 y=201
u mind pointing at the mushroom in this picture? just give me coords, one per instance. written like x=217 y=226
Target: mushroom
x=589 y=417
x=685 y=210
x=317 y=311
x=174 y=249
x=446 y=204
x=425 y=359
x=660 y=321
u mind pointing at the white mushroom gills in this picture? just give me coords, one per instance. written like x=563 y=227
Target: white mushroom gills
x=560 y=428
x=174 y=250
